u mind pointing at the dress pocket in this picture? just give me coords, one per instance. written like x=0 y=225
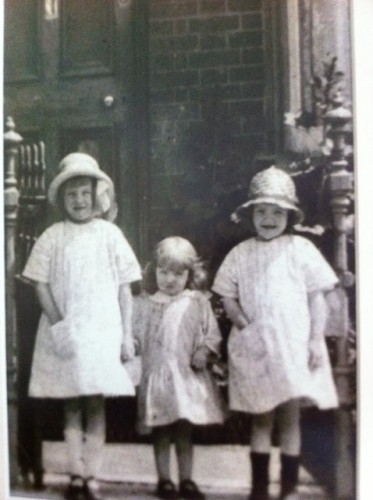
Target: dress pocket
x=248 y=353
x=62 y=343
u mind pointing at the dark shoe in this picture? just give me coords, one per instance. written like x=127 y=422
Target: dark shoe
x=91 y=493
x=166 y=489
x=189 y=489
x=75 y=490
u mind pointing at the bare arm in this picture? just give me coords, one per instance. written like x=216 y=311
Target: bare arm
x=125 y=301
x=235 y=313
x=318 y=313
x=47 y=302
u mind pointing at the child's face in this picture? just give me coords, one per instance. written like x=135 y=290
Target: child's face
x=78 y=199
x=171 y=281
x=269 y=220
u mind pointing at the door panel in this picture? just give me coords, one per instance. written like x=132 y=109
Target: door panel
x=87 y=48
x=21 y=41
x=69 y=69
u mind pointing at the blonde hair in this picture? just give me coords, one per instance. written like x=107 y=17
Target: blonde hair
x=177 y=253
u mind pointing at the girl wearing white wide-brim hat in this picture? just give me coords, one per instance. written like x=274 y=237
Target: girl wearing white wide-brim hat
x=82 y=268
x=273 y=290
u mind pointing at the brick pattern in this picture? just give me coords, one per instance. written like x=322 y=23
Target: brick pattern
x=202 y=50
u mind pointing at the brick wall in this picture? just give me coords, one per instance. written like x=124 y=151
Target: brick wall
x=207 y=96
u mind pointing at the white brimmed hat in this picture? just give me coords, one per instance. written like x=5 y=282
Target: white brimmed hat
x=274 y=186
x=82 y=164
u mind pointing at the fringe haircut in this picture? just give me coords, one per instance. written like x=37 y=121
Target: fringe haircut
x=176 y=253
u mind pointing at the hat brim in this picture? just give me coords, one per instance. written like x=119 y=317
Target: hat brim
x=77 y=171
x=273 y=201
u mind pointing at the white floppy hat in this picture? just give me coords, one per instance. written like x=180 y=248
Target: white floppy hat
x=274 y=186
x=82 y=164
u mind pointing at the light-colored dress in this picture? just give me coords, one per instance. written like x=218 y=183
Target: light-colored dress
x=170 y=330
x=268 y=360
x=84 y=265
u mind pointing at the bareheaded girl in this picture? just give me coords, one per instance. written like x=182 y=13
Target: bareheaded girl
x=273 y=290
x=178 y=337
x=82 y=268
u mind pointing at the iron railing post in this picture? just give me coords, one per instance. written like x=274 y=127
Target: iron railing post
x=337 y=120
x=11 y=196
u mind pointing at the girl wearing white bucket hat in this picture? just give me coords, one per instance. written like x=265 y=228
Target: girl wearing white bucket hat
x=77 y=165
x=273 y=287
x=82 y=268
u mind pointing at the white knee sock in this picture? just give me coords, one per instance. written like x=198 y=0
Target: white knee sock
x=74 y=442
x=93 y=454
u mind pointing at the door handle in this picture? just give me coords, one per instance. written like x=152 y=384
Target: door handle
x=109 y=101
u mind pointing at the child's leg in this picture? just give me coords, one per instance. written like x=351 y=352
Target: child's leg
x=184 y=453
x=162 y=449
x=184 y=449
x=73 y=432
x=162 y=436
x=94 y=438
x=289 y=427
x=261 y=433
x=290 y=442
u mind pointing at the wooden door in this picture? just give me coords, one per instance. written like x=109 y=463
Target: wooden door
x=72 y=80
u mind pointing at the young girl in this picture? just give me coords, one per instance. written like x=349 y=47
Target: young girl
x=272 y=287
x=82 y=268
x=178 y=336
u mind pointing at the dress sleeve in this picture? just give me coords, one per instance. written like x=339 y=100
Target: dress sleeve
x=38 y=264
x=127 y=264
x=319 y=275
x=225 y=283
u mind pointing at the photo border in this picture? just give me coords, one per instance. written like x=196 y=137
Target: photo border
x=362 y=31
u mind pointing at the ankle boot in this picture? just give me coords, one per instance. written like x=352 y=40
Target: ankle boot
x=289 y=477
x=260 y=476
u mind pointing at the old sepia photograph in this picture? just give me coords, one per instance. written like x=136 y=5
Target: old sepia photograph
x=180 y=299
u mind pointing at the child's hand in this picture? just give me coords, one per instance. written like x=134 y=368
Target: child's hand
x=219 y=372
x=314 y=354
x=200 y=358
x=127 y=351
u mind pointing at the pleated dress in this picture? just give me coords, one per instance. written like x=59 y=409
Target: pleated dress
x=170 y=330
x=268 y=360
x=84 y=265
